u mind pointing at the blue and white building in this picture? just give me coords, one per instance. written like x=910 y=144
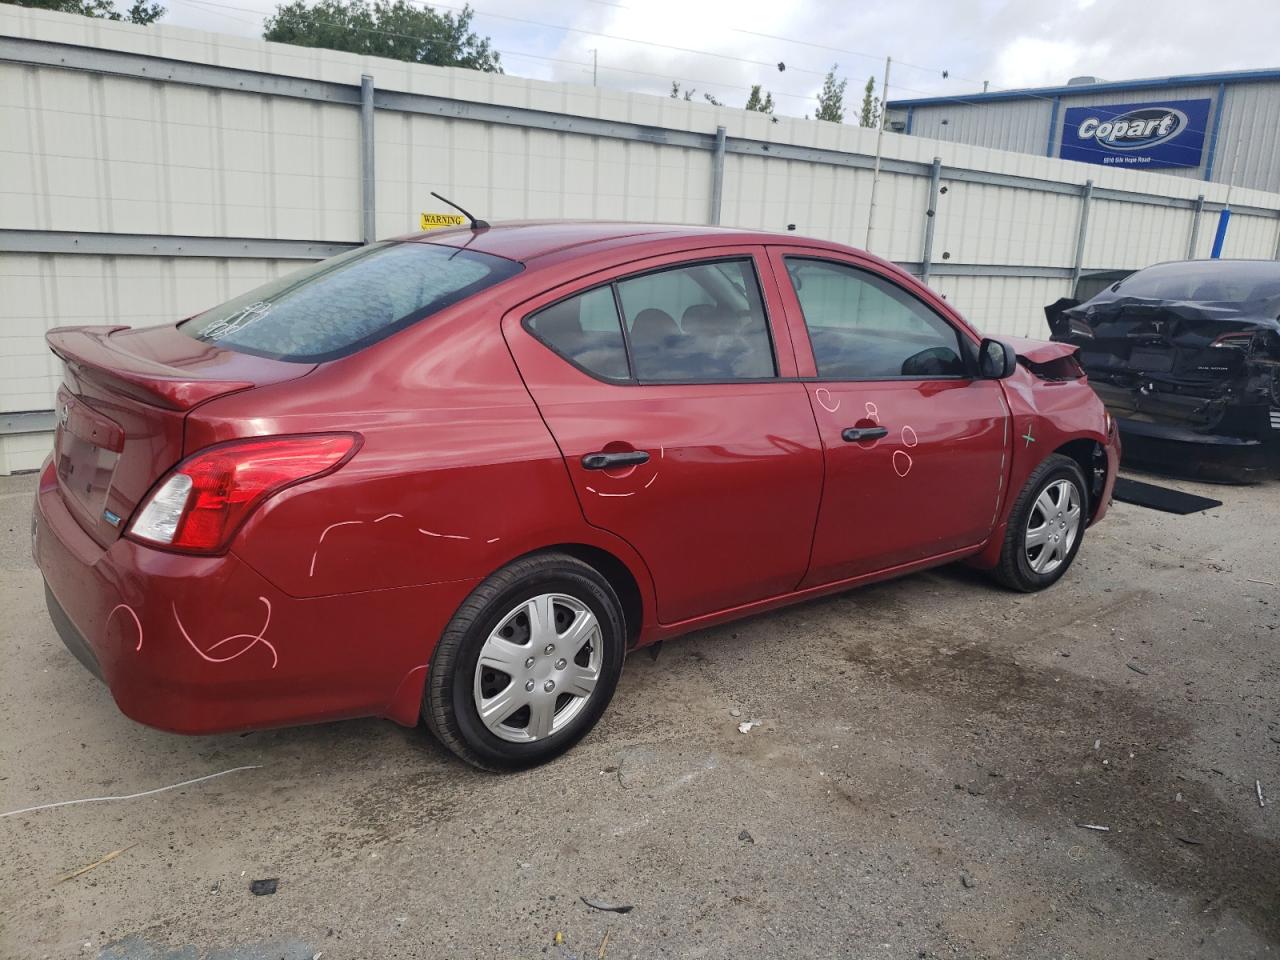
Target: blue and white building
x=1219 y=127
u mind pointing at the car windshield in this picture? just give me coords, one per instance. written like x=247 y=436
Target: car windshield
x=1205 y=280
x=336 y=307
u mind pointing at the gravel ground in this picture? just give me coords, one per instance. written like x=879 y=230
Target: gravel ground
x=927 y=753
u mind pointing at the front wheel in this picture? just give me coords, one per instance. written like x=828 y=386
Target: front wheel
x=527 y=665
x=1046 y=526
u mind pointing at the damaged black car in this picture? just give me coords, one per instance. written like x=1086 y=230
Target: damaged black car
x=1186 y=356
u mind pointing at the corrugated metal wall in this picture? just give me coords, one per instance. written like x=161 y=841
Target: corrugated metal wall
x=1021 y=125
x=128 y=198
x=1250 y=126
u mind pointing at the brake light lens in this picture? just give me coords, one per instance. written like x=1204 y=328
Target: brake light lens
x=1238 y=341
x=203 y=501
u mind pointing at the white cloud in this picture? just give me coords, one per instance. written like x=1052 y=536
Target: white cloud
x=739 y=42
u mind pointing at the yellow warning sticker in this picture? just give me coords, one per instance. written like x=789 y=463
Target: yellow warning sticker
x=438 y=221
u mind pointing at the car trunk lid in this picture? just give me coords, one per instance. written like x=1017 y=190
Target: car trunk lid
x=122 y=407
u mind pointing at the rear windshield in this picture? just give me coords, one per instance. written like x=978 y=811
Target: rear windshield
x=1205 y=280
x=335 y=307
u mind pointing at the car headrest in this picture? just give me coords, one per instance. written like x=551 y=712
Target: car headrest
x=652 y=326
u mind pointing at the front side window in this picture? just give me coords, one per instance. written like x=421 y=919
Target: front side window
x=862 y=327
x=337 y=306
x=702 y=322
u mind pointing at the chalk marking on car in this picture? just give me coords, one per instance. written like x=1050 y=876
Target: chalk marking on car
x=444 y=536
x=903 y=470
x=600 y=493
x=826 y=403
x=908 y=429
x=253 y=638
x=316 y=552
x=388 y=516
x=129 y=610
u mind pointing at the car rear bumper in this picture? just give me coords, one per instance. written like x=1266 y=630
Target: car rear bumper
x=207 y=645
x=1207 y=456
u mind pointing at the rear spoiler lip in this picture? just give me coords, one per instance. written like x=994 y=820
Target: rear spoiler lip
x=88 y=354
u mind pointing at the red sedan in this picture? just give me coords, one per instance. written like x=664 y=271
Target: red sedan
x=457 y=477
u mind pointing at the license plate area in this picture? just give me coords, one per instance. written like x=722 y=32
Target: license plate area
x=87 y=449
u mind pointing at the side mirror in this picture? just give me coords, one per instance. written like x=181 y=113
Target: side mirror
x=996 y=360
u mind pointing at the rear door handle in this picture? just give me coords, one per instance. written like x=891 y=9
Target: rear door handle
x=606 y=461
x=854 y=434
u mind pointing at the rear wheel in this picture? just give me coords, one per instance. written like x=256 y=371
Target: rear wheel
x=1046 y=526
x=527 y=665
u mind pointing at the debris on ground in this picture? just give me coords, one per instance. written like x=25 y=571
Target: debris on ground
x=130 y=796
x=967 y=881
x=1190 y=841
x=746 y=725
x=609 y=907
x=1137 y=669
x=558 y=939
x=263 y=888
x=1257 y=785
x=1094 y=826
x=745 y=837
x=100 y=861
x=604 y=945
x=735 y=712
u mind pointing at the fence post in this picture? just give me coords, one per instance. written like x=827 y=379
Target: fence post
x=367 y=208
x=717 y=177
x=1086 y=198
x=1195 y=228
x=930 y=218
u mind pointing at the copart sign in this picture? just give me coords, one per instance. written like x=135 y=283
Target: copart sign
x=1166 y=134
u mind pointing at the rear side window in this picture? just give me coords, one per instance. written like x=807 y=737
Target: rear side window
x=862 y=327
x=585 y=330
x=337 y=306
x=703 y=322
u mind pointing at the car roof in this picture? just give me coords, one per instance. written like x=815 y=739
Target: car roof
x=526 y=241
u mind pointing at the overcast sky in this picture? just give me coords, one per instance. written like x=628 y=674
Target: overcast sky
x=724 y=46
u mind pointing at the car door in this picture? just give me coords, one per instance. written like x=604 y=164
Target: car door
x=914 y=441
x=673 y=399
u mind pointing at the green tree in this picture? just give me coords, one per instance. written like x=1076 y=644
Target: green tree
x=712 y=100
x=831 y=99
x=760 y=103
x=385 y=28
x=678 y=94
x=140 y=12
x=870 y=115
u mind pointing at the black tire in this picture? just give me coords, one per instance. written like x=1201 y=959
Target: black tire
x=448 y=700
x=1015 y=570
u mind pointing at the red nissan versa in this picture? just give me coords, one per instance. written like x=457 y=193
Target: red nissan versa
x=459 y=476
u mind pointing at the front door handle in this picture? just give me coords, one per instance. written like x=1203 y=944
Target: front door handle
x=854 y=434
x=607 y=461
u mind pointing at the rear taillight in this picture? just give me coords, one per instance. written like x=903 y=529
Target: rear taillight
x=1237 y=341
x=199 y=506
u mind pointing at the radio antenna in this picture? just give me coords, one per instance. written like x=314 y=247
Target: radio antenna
x=476 y=224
